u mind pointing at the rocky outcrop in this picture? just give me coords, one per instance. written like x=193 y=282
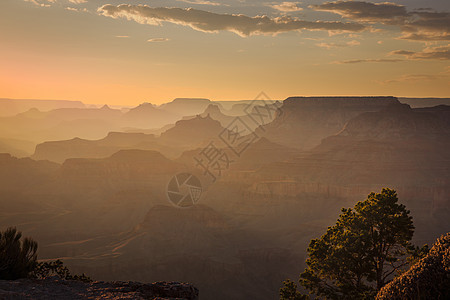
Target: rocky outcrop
x=55 y=288
x=427 y=279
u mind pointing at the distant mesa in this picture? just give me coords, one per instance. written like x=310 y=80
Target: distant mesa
x=148 y=116
x=186 y=134
x=192 y=132
x=305 y=121
x=18 y=148
x=400 y=122
x=213 y=111
x=120 y=169
x=396 y=146
x=319 y=155
x=186 y=106
x=11 y=107
x=424 y=102
x=59 y=151
x=191 y=100
x=24 y=172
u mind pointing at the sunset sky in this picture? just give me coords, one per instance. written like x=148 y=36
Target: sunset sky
x=128 y=52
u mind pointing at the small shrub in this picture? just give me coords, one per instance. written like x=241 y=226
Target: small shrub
x=46 y=269
x=17 y=257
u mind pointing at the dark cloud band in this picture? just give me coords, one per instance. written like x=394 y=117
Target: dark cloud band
x=420 y=25
x=213 y=22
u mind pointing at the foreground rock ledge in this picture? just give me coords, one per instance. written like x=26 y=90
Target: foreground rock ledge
x=55 y=288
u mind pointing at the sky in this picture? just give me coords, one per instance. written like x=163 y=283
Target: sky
x=129 y=52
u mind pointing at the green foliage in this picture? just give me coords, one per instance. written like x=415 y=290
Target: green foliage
x=289 y=291
x=17 y=258
x=368 y=245
x=46 y=269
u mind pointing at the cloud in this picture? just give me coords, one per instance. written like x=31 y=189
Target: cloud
x=42 y=3
x=414 y=78
x=438 y=52
x=158 y=40
x=287 y=6
x=419 y=77
x=213 y=22
x=338 y=45
x=76 y=9
x=365 y=11
x=48 y=3
x=378 y=60
x=122 y=36
x=427 y=26
x=419 y=25
x=202 y=2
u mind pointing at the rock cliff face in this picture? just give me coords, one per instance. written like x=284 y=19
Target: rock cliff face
x=251 y=227
x=54 y=288
x=192 y=133
x=59 y=151
x=124 y=169
x=397 y=147
x=400 y=122
x=147 y=116
x=186 y=134
x=257 y=154
x=214 y=111
x=199 y=243
x=186 y=106
x=305 y=121
x=11 y=107
x=16 y=172
x=22 y=181
x=427 y=279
